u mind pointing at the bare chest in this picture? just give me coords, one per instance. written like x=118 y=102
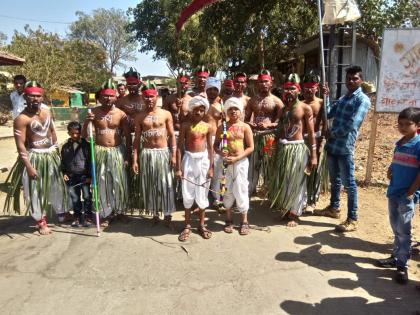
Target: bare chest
x=40 y=126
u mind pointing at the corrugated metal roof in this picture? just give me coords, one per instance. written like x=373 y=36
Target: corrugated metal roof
x=7 y=59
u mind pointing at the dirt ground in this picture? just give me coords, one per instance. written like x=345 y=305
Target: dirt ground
x=136 y=268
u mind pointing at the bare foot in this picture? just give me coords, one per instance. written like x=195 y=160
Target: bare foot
x=293 y=220
x=105 y=222
x=43 y=228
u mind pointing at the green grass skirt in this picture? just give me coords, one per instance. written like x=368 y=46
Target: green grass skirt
x=112 y=179
x=154 y=186
x=287 y=185
x=43 y=195
x=318 y=181
x=260 y=161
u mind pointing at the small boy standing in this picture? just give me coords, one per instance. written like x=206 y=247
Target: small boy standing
x=196 y=168
x=403 y=191
x=240 y=144
x=76 y=167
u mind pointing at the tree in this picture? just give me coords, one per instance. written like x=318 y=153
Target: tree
x=107 y=28
x=56 y=62
x=245 y=34
x=380 y=14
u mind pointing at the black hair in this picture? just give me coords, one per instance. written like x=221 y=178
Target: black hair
x=277 y=92
x=19 y=77
x=354 y=70
x=74 y=125
x=411 y=114
x=120 y=84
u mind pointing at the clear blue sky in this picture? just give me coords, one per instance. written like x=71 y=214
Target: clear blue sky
x=63 y=11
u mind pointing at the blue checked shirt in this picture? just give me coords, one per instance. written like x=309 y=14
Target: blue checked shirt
x=348 y=113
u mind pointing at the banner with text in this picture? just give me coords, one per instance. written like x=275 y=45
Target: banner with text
x=399 y=78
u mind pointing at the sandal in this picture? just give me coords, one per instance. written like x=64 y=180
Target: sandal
x=204 y=232
x=244 y=228
x=185 y=234
x=228 y=226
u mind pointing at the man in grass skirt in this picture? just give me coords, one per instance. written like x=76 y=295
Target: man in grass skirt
x=154 y=163
x=131 y=103
x=287 y=188
x=318 y=180
x=38 y=164
x=262 y=113
x=112 y=160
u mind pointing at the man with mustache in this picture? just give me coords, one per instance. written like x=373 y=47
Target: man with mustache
x=348 y=113
x=262 y=114
x=132 y=103
x=38 y=165
x=112 y=159
x=287 y=188
x=155 y=162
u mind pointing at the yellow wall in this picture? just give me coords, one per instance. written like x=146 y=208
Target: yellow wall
x=61 y=97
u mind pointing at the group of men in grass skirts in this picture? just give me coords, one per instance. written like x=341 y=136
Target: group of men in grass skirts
x=278 y=146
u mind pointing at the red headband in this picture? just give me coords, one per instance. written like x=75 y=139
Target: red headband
x=228 y=83
x=132 y=80
x=310 y=85
x=149 y=92
x=264 y=77
x=33 y=90
x=203 y=74
x=183 y=80
x=108 y=92
x=240 y=78
x=288 y=85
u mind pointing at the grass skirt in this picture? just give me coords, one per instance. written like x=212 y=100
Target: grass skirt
x=260 y=160
x=318 y=181
x=155 y=185
x=287 y=186
x=43 y=195
x=112 y=179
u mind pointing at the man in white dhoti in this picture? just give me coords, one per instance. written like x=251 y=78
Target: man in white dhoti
x=196 y=169
x=237 y=145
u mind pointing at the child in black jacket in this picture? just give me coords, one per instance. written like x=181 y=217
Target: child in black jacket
x=76 y=167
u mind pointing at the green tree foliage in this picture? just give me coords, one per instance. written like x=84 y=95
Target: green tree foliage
x=227 y=35
x=231 y=35
x=380 y=14
x=108 y=29
x=55 y=62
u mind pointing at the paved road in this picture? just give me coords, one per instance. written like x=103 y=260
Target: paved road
x=140 y=269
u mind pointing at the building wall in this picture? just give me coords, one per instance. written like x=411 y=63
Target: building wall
x=366 y=60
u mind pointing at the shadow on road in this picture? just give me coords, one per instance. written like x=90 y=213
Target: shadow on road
x=378 y=283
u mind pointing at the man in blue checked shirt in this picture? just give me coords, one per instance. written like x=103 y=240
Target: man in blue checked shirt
x=348 y=114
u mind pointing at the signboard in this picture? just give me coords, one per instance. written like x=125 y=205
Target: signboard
x=399 y=77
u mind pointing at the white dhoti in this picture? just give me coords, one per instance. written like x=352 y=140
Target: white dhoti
x=237 y=186
x=195 y=167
